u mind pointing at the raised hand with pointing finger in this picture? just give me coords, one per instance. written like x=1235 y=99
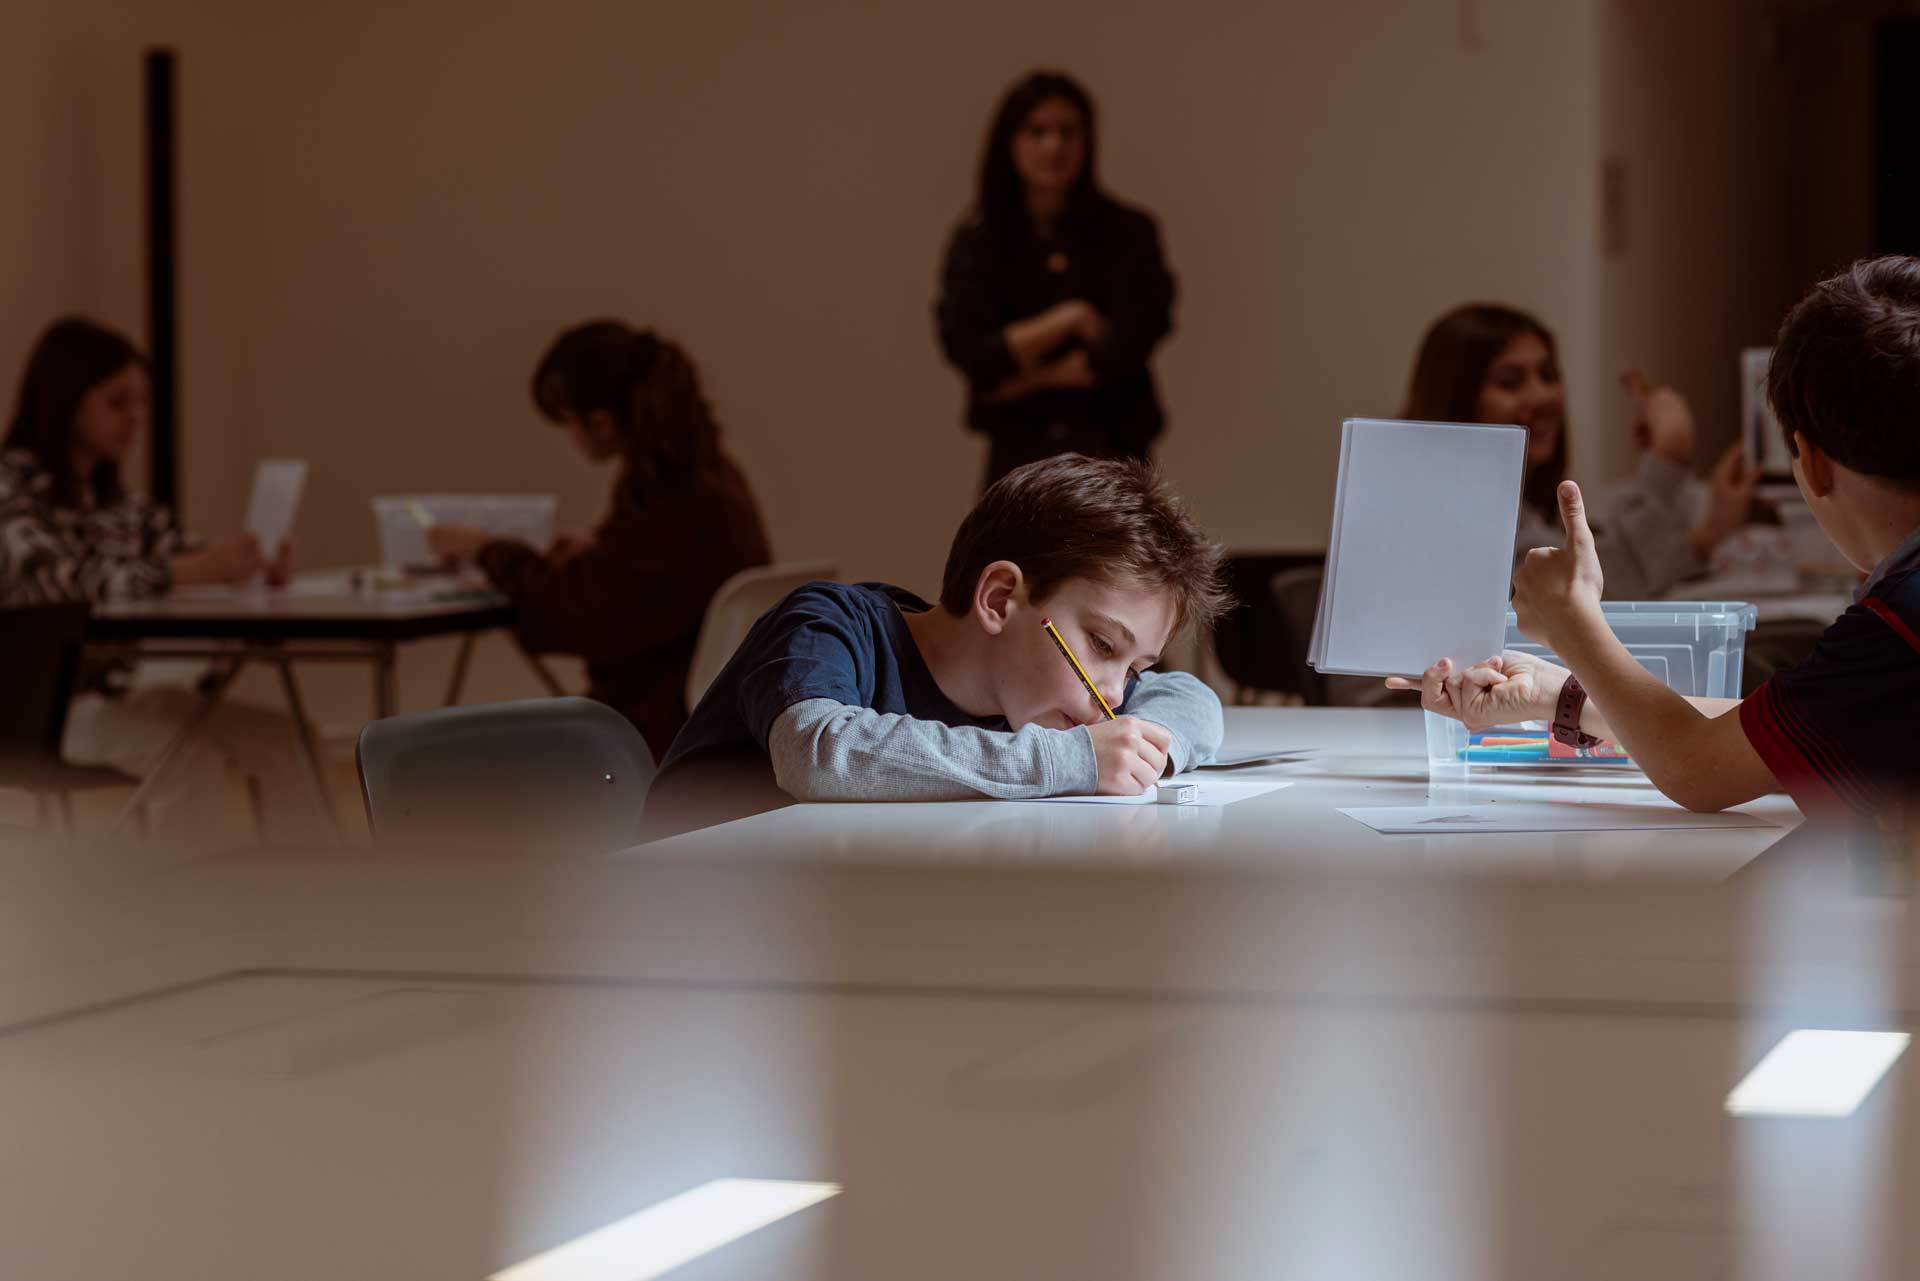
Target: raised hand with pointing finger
x=1558 y=587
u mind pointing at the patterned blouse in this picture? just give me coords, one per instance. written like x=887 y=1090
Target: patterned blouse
x=51 y=553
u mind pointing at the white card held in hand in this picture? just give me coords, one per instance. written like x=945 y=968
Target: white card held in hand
x=275 y=505
x=1420 y=559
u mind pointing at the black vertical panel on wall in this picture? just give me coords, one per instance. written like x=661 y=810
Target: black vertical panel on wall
x=162 y=276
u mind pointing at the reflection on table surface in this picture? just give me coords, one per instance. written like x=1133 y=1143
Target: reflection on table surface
x=309 y=1127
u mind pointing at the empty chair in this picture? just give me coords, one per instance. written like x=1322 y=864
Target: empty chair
x=734 y=608
x=40 y=649
x=544 y=775
x=1251 y=642
x=1295 y=594
x=1295 y=597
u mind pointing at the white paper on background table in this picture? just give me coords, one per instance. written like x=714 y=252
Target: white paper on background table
x=527 y=518
x=1214 y=792
x=1567 y=816
x=275 y=503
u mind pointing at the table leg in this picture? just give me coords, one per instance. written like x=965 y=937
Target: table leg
x=309 y=750
x=460 y=662
x=386 y=682
x=211 y=691
x=554 y=687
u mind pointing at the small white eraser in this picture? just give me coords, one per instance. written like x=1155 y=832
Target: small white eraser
x=1177 y=794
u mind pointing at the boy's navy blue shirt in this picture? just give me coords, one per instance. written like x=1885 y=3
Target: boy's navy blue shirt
x=844 y=641
x=1838 y=731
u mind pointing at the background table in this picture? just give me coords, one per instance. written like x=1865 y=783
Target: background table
x=333 y=616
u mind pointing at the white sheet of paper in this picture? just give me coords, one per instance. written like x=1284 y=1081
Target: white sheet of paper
x=1440 y=820
x=1760 y=437
x=1420 y=557
x=1214 y=792
x=275 y=504
x=403 y=539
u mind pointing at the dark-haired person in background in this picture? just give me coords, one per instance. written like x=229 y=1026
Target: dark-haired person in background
x=70 y=530
x=1485 y=363
x=1054 y=294
x=629 y=598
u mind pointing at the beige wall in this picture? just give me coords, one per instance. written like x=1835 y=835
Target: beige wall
x=387 y=213
x=389 y=209
x=1697 y=108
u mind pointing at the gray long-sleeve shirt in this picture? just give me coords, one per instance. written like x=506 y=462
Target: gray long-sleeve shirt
x=825 y=750
x=1641 y=530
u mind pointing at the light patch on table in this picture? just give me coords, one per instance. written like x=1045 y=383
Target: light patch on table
x=1815 y=1073
x=363 y=1028
x=654 y=1241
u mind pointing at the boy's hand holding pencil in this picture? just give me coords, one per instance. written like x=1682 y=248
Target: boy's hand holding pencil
x=1131 y=754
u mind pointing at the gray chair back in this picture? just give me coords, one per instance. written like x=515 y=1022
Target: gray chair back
x=544 y=775
x=736 y=607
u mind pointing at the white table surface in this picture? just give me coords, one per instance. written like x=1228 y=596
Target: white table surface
x=1362 y=758
x=1029 y=1056
x=313 y=1128
x=1274 y=895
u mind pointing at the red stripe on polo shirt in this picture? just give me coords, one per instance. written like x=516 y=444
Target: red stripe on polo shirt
x=1760 y=720
x=1893 y=620
x=1823 y=755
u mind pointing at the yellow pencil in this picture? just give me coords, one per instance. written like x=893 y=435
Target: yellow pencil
x=1078 y=670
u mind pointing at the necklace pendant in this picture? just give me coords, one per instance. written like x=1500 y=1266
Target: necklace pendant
x=1056 y=262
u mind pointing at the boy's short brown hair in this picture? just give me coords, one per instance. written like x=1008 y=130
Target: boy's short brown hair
x=1110 y=520
x=1846 y=369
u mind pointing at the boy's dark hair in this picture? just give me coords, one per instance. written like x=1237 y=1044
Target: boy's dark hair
x=1846 y=369
x=1110 y=520
x=70 y=359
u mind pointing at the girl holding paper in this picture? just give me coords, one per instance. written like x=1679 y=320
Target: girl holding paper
x=1484 y=363
x=70 y=530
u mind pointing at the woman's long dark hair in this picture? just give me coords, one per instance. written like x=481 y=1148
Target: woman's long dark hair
x=1001 y=201
x=645 y=382
x=71 y=358
x=1452 y=367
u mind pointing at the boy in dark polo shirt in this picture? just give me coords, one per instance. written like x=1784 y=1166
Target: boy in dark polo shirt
x=1838 y=732
x=866 y=692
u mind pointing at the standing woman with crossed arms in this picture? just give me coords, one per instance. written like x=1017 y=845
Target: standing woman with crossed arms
x=1054 y=294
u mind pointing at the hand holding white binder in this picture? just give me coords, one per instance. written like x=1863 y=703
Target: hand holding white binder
x=1420 y=558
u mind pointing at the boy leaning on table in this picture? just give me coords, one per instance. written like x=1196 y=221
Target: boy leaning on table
x=1840 y=732
x=865 y=692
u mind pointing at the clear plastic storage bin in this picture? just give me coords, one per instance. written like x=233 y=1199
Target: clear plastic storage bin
x=1696 y=647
